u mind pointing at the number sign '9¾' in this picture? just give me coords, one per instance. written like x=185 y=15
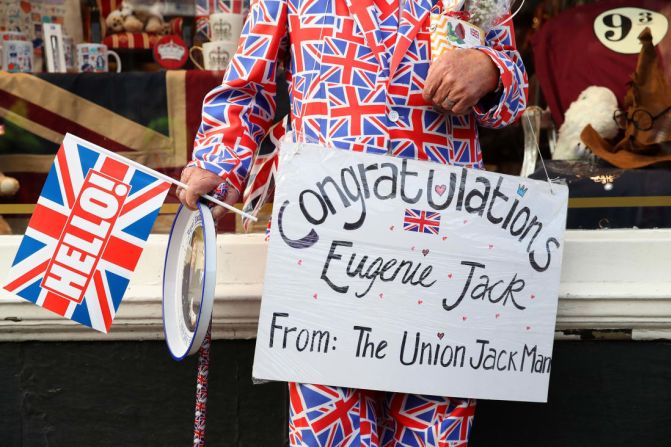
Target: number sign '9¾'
x=618 y=29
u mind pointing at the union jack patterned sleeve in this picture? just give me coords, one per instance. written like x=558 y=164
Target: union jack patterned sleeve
x=236 y=115
x=512 y=99
x=356 y=73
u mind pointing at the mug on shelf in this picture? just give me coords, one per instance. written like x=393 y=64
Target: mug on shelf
x=225 y=26
x=11 y=35
x=69 y=50
x=17 y=56
x=216 y=55
x=93 y=58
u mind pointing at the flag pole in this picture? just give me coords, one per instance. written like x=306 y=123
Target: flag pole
x=163 y=177
x=215 y=201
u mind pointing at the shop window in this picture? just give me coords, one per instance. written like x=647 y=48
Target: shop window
x=567 y=46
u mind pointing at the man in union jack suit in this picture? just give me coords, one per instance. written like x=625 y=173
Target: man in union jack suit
x=360 y=78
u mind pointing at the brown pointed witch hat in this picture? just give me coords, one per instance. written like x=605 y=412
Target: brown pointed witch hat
x=646 y=118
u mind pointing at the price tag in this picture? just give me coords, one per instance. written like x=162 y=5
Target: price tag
x=618 y=29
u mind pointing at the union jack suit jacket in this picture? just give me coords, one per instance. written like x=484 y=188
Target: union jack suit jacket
x=356 y=71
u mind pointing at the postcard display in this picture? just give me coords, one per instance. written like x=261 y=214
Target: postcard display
x=402 y=275
x=28 y=17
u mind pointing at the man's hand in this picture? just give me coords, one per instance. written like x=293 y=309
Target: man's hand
x=459 y=79
x=201 y=181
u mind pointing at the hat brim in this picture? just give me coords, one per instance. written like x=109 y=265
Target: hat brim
x=622 y=159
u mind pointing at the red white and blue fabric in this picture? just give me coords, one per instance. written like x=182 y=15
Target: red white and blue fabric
x=322 y=416
x=421 y=221
x=261 y=181
x=119 y=257
x=356 y=71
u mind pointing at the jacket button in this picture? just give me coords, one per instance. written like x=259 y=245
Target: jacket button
x=393 y=116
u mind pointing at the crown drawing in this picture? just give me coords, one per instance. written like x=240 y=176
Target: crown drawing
x=223 y=28
x=522 y=190
x=219 y=57
x=171 y=50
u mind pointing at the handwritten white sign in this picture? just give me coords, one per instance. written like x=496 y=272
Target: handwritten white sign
x=410 y=276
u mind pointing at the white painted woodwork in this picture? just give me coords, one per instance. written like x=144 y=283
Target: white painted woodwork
x=611 y=279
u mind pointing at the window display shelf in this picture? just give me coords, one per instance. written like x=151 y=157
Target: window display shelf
x=602 y=196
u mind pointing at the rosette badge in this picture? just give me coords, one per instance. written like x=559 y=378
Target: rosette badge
x=171 y=52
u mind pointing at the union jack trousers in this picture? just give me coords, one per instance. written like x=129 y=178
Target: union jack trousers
x=356 y=71
x=323 y=416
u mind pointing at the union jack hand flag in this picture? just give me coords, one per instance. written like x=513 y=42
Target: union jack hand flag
x=421 y=221
x=87 y=232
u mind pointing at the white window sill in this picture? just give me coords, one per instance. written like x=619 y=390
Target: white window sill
x=611 y=279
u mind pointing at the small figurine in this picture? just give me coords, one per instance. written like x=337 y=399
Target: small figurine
x=126 y=18
x=594 y=106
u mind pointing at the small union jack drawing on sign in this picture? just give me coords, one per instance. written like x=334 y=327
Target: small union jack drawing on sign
x=421 y=221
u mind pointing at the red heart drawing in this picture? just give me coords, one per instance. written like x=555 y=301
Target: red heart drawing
x=440 y=335
x=314 y=296
x=440 y=189
x=449 y=275
x=464 y=318
x=498 y=315
x=444 y=237
x=300 y=262
x=419 y=301
x=425 y=251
